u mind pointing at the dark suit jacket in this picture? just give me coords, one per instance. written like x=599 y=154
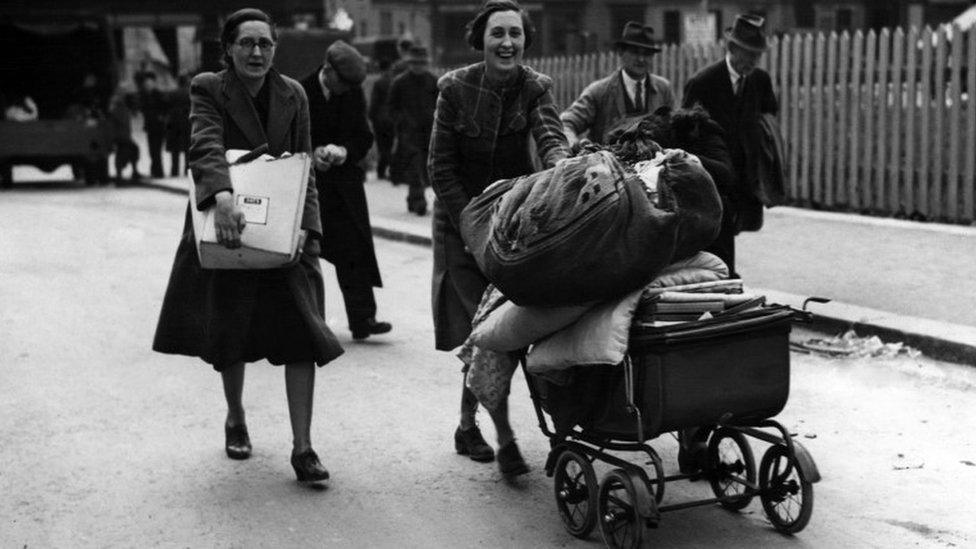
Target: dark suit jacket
x=208 y=312
x=739 y=117
x=347 y=234
x=379 y=105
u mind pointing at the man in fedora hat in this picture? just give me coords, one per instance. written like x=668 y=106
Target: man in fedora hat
x=631 y=91
x=736 y=93
x=413 y=98
x=340 y=139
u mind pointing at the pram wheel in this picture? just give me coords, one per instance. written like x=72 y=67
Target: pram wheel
x=619 y=507
x=575 y=488
x=786 y=498
x=730 y=460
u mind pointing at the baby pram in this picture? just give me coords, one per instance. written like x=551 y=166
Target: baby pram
x=728 y=374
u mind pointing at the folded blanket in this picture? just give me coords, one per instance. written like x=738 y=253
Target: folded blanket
x=599 y=337
x=506 y=326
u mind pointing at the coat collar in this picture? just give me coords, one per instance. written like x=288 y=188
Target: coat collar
x=280 y=113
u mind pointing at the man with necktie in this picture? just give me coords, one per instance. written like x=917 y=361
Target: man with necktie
x=630 y=92
x=736 y=93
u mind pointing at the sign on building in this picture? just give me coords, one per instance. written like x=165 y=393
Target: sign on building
x=699 y=28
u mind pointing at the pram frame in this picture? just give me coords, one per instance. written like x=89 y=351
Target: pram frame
x=649 y=492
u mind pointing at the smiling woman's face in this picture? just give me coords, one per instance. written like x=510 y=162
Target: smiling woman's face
x=504 y=42
x=253 y=50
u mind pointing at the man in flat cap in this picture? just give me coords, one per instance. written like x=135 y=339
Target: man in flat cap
x=630 y=92
x=340 y=139
x=737 y=93
x=413 y=98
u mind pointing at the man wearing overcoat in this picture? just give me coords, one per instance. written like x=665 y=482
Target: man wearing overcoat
x=340 y=140
x=413 y=98
x=736 y=93
x=630 y=92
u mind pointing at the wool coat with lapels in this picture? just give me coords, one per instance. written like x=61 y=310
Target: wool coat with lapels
x=603 y=104
x=208 y=312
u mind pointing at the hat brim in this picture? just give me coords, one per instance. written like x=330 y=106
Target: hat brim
x=653 y=48
x=745 y=45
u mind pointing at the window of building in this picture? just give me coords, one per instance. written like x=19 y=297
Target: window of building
x=562 y=29
x=805 y=14
x=386 y=22
x=672 y=27
x=621 y=13
x=845 y=19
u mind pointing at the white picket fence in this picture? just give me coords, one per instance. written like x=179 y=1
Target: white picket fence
x=880 y=122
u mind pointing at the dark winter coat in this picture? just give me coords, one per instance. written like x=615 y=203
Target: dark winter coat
x=379 y=105
x=154 y=109
x=208 y=313
x=413 y=98
x=478 y=138
x=347 y=234
x=178 y=121
x=739 y=117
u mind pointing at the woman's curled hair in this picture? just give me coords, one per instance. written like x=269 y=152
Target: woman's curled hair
x=475 y=29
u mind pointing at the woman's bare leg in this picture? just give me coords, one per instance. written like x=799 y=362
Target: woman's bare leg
x=233 y=378
x=503 y=429
x=469 y=405
x=300 y=388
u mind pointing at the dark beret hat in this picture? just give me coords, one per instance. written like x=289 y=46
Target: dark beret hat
x=347 y=62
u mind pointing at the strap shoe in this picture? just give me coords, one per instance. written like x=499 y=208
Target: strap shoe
x=237 y=443
x=308 y=468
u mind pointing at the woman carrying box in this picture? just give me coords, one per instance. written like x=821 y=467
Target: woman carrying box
x=231 y=317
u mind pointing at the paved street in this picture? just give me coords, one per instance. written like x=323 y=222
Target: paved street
x=106 y=444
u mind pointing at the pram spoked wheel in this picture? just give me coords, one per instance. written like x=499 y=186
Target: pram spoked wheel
x=622 y=509
x=575 y=487
x=729 y=458
x=786 y=497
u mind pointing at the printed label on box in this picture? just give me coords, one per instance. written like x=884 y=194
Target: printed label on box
x=255 y=208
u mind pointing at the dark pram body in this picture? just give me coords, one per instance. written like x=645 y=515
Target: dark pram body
x=729 y=374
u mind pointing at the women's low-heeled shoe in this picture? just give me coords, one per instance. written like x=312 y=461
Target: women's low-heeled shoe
x=510 y=461
x=237 y=443
x=470 y=443
x=308 y=468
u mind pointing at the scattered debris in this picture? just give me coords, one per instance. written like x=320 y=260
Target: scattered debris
x=810 y=435
x=967 y=462
x=904 y=464
x=850 y=344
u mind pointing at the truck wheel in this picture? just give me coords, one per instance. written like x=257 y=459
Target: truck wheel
x=6 y=175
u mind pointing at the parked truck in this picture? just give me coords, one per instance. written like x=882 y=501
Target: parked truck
x=66 y=67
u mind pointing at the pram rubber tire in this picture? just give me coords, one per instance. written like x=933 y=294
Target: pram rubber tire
x=618 y=510
x=781 y=486
x=576 y=493
x=720 y=467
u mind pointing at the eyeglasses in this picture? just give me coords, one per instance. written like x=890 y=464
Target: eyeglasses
x=248 y=43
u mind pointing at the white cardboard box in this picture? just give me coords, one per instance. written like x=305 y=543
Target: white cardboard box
x=271 y=193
